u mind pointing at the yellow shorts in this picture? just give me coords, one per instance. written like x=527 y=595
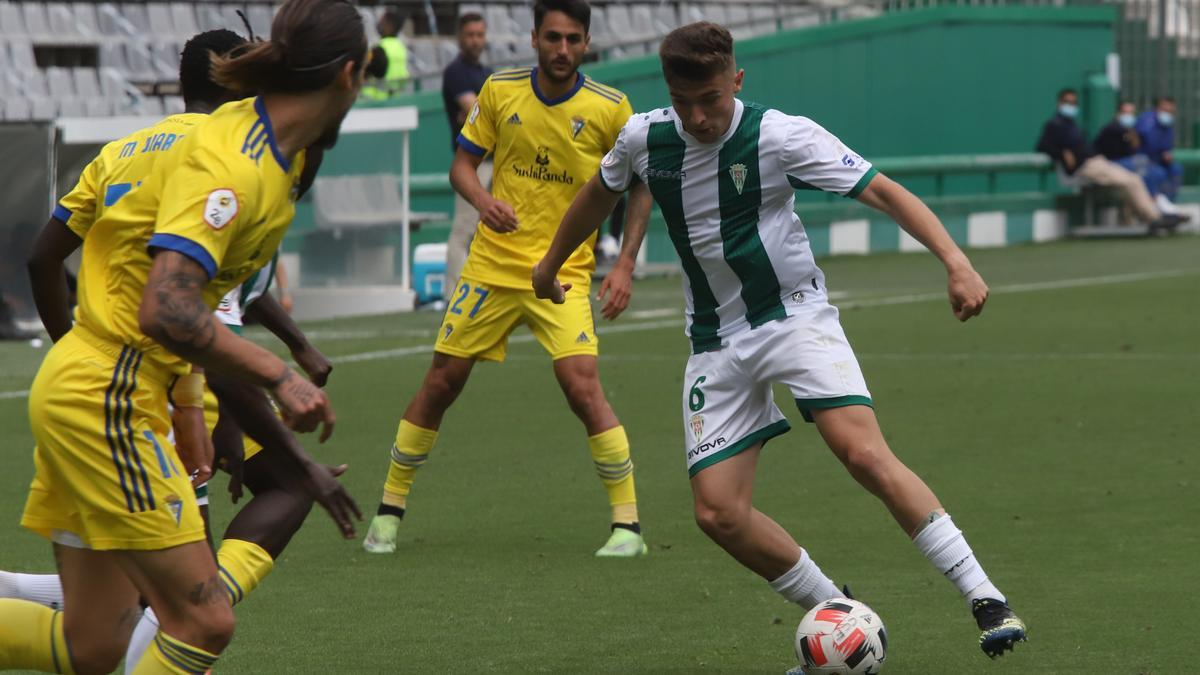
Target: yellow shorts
x=106 y=475
x=250 y=447
x=480 y=318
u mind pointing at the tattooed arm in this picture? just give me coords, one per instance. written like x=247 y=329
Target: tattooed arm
x=173 y=314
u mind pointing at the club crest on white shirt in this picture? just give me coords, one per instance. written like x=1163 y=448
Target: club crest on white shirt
x=738 y=173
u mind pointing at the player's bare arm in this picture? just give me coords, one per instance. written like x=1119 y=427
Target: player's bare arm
x=618 y=284
x=253 y=414
x=173 y=313
x=591 y=206
x=267 y=311
x=494 y=213
x=465 y=101
x=48 y=276
x=966 y=288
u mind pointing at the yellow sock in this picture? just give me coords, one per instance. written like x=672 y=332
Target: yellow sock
x=610 y=453
x=242 y=566
x=32 y=638
x=408 y=454
x=168 y=656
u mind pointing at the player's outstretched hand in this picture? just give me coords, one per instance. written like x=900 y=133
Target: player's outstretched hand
x=323 y=486
x=968 y=292
x=305 y=406
x=313 y=362
x=546 y=286
x=499 y=216
x=618 y=282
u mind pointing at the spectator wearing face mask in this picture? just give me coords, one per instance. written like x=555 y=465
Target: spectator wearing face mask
x=1156 y=129
x=1118 y=141
x=1064 y=142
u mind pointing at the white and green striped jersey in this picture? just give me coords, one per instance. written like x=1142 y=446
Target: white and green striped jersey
x=232 y=307
x=730 y=209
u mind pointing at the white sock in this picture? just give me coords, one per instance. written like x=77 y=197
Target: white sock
x=947 y=549
x=805 y=584
x=140 y=641
x=44 y=589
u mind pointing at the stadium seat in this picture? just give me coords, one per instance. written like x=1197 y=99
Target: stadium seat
x=765 y=19
x=166 y=56
x=370 y=25
x=665 y=18
x=42 y=109
x=172 y=105
x=349 y=202
x=260 y=19
x=162 y=27
x=113 y=84
x=151 y=106
x=422 y=57
x=599 y=29
x=139 y=62
x=87 y=19
x=112 y=23
x=98 y=107
x=209 y=18
x=522 y=20
x=21 y=55
x=87 y=82
x=447 y=50
x=34 y=82
x=17 y=109
x=138 y=16
x=63 y=24
x=37 y=25
x=12 y=23
x=183 y=16
x=500 y=24
x=642 y=18
x=71 y=107
x=59 y=83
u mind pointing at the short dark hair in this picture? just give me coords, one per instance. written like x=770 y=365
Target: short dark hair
x=1159 y=100
x=1064 y=91
x=195 y=66
x=469 y=17
x=579 y=10
x=1124 y=102
x=392 y=18
x=696 y=51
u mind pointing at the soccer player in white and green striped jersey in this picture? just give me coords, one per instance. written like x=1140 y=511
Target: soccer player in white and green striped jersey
x=724 y=174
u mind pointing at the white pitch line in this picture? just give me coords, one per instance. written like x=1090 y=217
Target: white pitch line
x=913 y=298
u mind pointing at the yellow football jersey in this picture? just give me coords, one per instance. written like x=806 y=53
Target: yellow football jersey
x=544 y=152
x=223 y=196
x=119 y=169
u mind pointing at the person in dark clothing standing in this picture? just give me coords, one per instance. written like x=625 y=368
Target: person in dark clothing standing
x=1064 y=142
x=461 y=81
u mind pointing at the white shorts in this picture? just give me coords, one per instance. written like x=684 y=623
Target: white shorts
x=728 y=405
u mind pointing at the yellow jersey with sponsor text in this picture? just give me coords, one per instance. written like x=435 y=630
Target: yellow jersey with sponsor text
x=544 y=151
x=223 y=195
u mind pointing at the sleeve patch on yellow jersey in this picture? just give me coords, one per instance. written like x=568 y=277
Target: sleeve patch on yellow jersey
x=220 y=208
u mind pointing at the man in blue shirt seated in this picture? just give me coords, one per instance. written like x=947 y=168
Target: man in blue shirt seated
x=1064 y=142
x=1156 y=130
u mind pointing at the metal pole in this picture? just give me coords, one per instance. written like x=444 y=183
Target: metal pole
x=406 y=273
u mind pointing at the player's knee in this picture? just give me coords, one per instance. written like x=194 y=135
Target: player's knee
x=585 y=397
x=443 y=386
x=867 y=462
x=212 y=628
x=721 y=521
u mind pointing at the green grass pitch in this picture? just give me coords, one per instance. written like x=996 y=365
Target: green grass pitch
x=1060 y=429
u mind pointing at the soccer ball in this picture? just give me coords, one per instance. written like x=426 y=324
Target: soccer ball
x=841 y=636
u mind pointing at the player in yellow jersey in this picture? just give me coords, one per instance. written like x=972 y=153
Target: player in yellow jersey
x=547 y=128
x=107 y=491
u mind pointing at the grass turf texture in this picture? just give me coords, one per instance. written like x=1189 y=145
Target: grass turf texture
x=1059 y=429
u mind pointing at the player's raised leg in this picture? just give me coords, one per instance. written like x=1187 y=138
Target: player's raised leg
x=853 y=433
x=415 y=437
x=579 y=378
x=722 y=502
